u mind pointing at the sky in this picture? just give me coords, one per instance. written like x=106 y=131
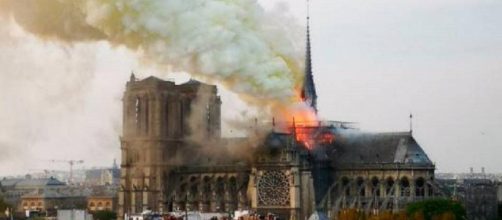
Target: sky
x=374 y=63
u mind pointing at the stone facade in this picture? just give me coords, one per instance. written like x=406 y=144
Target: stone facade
x=99 y=203
x=163 y=170
x=155 y=123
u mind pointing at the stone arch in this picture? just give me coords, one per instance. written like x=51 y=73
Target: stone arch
x=404 y=185
x=375 y=186
x=389 y=183
x=345 y=185
x=233 y=190
x=220 y=194
x=420 y=186
x=360 y=186
x=194 y=193
x=207 y=193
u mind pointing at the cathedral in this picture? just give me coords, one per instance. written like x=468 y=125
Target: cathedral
x=166 y=167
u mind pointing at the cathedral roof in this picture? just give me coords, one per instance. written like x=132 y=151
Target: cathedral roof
x=355 y=147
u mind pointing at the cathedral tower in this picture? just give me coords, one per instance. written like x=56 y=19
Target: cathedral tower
x=157 y=117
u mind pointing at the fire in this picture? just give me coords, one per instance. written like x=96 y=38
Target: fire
x=301 y=120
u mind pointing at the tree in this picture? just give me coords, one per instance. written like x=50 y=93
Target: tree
x=3 y=207
x=436 y=209
x=105 y=215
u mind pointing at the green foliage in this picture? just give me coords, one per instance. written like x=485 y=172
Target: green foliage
x=436 y=207
x=104 y=215
x=3 y=206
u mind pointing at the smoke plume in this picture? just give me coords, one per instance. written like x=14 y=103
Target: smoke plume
x=232 y=42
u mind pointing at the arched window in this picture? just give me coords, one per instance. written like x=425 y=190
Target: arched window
x=361 y=188
x=146 y=117
x=375 y=186
x=207 y=193
x=346 y=186
x=193 y=187
x=233 y=192
x=137 y=112
x=220 y=192
x=405 y=186
x=92 y=204
x=419 y=187
x=389 y=183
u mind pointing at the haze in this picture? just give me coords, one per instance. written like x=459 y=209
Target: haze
x=374 y=63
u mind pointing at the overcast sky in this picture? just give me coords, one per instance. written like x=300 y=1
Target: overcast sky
x=374 y=63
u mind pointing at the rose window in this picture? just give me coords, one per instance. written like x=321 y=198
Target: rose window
x=273 y=189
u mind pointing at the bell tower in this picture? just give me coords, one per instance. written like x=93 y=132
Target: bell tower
x=155 y=126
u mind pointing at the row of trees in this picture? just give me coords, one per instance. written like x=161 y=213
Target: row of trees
x=434 y=209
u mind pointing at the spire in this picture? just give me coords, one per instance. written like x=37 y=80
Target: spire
x=309 y=94
x=411 y=123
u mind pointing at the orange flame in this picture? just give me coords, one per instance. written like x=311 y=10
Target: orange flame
x=302 y=120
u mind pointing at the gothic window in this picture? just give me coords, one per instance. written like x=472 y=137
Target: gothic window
x=220 y=192
x=405 y=186
x=360 y=186
x=193 y=187
x=375 y=183
x=137 y=110
x=273 y=188
x=146 y=115
x=388 y=186
x=207 y=188
x=346 y=186
x=419 y=184
x=234 y=192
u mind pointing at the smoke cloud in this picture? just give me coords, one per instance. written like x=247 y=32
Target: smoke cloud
x=49 y=94
x=234 y=42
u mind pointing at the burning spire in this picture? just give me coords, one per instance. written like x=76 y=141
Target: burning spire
x=308 y=92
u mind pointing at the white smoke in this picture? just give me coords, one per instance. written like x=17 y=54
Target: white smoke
x=233 y=42
x=45 y=102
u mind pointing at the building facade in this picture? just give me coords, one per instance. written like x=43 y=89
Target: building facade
x=163 y=170
x=174 y=159
x=155 y=126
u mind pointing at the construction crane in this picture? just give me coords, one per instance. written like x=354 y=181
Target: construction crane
x=71 y=163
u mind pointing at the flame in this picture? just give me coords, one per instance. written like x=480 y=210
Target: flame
x=301 y=120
